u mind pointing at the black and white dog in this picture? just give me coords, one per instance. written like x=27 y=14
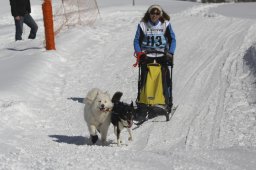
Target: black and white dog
x=122 y=116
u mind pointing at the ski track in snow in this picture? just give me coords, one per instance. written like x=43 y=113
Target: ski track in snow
x=207 y=122
x=219 y=118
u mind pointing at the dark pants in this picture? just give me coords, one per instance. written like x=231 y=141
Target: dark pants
x=29 y=21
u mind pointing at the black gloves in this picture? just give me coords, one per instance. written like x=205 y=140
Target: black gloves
x=169 y=58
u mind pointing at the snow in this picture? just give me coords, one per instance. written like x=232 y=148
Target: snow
x=214 y=127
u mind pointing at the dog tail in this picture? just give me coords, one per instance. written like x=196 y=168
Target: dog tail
x=117 y=97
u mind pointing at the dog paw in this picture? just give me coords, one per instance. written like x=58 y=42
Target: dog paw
x=94 y=138
x=104 y=143
x=119 y=142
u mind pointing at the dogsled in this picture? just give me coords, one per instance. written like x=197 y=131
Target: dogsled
x=154 y=87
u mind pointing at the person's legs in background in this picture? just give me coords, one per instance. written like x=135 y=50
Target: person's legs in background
x=32 y=24
x=18 y=28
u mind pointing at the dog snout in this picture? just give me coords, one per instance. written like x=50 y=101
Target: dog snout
x=102 y=105
x=130 y=122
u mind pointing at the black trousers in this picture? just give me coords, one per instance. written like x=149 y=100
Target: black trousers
x=29 y=21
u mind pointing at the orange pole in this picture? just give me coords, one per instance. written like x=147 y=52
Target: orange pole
x=48 y=24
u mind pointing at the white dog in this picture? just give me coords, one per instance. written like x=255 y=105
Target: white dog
x=97 y=114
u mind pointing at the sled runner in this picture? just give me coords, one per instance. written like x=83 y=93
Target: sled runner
x=154 y=87
x=139 y=123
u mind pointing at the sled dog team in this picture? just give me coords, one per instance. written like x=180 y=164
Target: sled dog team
x=100 y=111
x=154 y=42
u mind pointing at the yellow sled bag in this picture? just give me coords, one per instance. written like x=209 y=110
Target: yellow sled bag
x=152 y=91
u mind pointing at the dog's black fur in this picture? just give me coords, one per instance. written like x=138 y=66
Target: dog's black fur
x=122 y=115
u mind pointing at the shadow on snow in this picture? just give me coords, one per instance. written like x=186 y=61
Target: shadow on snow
x=77 y=99
x=24 y=49
x=75 y=140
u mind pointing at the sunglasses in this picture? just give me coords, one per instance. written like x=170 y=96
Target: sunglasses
x=154 y=13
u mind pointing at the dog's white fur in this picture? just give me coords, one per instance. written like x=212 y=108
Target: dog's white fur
x=97 y=117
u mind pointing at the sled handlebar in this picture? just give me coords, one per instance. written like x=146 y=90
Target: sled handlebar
x=167 y=59
x=144 y=58
x=154 y=51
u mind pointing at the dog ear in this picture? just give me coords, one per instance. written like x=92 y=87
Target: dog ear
x=92 y=95
x=131 y=104
x=106 y=92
